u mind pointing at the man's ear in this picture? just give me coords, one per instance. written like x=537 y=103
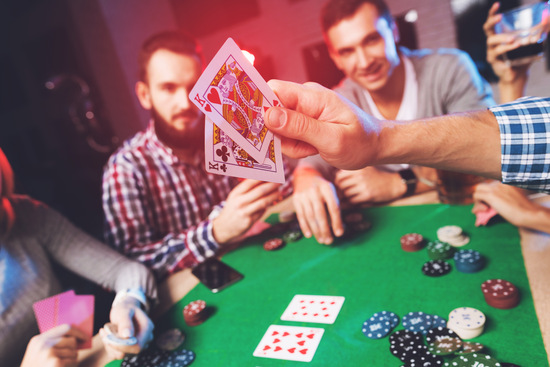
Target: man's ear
x=143 y=94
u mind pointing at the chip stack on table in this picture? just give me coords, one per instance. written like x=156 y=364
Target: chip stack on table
x=195 y=313
x=412 y=242
x=500 y=293
x=474 y=360
x=436 y=268
x=467 y=322
x=453 y=235
x=438 y=250
x=469 y=261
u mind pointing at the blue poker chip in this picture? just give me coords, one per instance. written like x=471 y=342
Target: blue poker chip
x=380 y=324
x=417 y=321
x=438 y=321
x=469 y=261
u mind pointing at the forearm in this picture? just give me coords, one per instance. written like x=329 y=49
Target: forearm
x=537 y=219
x=469 y=142
x=510 y=91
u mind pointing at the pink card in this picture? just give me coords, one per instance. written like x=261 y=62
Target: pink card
x=78 y=311
x=46 y=311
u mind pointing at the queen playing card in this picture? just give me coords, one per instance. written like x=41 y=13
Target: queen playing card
x=234 y=95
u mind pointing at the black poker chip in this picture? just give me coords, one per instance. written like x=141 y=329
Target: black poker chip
x=436 y=268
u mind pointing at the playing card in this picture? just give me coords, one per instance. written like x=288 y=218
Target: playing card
x=292 y=343
x=46 y=311
x=483 y=218
x=224 y=157
x=78 y=311
x=233 y=94
x=308 y=308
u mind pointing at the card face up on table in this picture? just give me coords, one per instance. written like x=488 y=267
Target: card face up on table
x=234 y=97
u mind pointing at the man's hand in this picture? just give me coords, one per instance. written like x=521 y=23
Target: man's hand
x=130 y=320
x=370 y=185
x=317 y=120
x=314 y=198
x=244 y=205
x=56 y=347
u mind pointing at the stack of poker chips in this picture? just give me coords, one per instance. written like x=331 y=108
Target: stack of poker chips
x=438 y=250
x=469 y=261
x=453 y=235
x=412 y=242
x=380 y=324
x=466 y=322
x=500 y=293
x=195 y=313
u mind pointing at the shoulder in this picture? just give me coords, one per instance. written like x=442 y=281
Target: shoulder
x=31 y=213
x=131 y=150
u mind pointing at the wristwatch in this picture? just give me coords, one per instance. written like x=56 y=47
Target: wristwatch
x=409 y=178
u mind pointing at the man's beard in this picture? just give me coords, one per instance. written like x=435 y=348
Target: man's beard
x=175 y=138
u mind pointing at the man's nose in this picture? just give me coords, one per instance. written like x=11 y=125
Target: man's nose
x=182 y=97
x=363 y=57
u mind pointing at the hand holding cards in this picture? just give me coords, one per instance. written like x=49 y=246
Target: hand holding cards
x=234 y=97
x=67 y=308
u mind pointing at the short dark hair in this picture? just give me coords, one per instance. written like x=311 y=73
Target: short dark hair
x=335 y=11
x=179 y=42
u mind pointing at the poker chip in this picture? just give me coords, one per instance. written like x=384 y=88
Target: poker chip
x=195 y=313
x=453 y=235
x=170 y=339
x=439 y=333
x=412 y=242
x=361 y=226
x=470 y=347
x=353 y=217
x=438 y=250
x=476 y=360
x=180 y=358
x=153 y=357
x=468 y=261
x=292 y=235
x=436 y=268
x=445 y=346
x=417 y=322
x=273 y=244
x=500 y=293
x=380 y=324
x=467 y=322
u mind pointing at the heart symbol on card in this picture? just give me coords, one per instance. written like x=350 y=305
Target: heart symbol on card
x=213 y=96
x=315 y=314
x=208 y=108
x=303 y=351
x=265 y=110
x=303 y=307
x=299 y=335
x=275 y=102
x=267 y=347
x=311 y=336
x=301 y=343
x=324 y=308
x=286 y=334
x=277 y=349
x=327 y=315
x=291 y=350
x=276 y=341
x=275 y=333
x=311 y=301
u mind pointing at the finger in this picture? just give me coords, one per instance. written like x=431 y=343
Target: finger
x=66 y=330
x=302 y=218
x=258 y=206
x=333 y=208
x=479 y=207
x=492 y=19
x=145 y=328
x=122 y=317
x=260 y=192
x=246 y=185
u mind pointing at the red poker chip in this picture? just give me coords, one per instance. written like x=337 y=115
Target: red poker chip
x=499 y=289
x=193 y=309
x=273 y=244
x=412 y=242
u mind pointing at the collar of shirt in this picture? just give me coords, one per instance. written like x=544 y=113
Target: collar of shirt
x=164 y=152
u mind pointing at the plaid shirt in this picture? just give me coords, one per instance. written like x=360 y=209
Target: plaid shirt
x=525 y=141
x=158 y=210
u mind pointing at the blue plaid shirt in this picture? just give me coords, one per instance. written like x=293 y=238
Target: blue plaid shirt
x=525 y=141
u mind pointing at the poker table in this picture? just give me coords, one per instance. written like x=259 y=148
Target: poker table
x=374 y=274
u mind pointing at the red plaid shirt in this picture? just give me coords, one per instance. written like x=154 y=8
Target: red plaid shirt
x=157 y=208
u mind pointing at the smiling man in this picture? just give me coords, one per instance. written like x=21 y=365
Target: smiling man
x=388 y=82
x=161 y=206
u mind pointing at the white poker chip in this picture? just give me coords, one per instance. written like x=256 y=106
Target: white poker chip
x=466 y=318
x=459 y=242
x=447 y=232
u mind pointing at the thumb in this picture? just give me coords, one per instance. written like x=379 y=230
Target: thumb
x=123 y=318
x=299 y=133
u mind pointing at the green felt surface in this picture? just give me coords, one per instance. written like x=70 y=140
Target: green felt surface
x=373 y=274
